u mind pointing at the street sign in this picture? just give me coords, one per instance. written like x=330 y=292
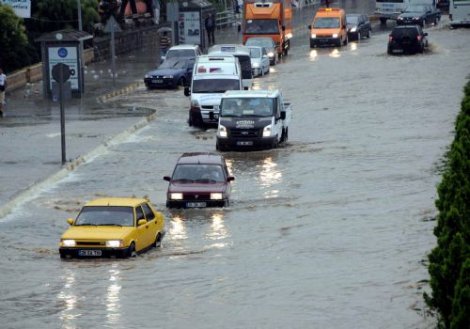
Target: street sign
x=61 y=72
x=112 y=25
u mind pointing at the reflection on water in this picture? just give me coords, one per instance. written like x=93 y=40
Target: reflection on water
x=113 y=302
x=353 y=46
x=68 y=299
x=269 y=175
x=313 y=55
x=335 y=53
x=218 y=232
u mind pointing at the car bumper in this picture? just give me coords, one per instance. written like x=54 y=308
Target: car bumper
x=77 y=252
x=196 y=203
x=325 y=41
x=160 y=83
x=246 y=143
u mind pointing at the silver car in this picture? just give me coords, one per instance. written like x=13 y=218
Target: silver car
x=259 y=60
x=267 y=43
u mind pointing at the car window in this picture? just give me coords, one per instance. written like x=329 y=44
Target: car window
x=148 y=212
x=326 y=22
x=139 y=213
x=410 y=32
x=105 y=216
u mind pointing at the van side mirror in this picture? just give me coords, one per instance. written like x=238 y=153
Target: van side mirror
x=309 y=27
x=187 y=91
x=425 y=34
x=283 y=115
x=167 y=178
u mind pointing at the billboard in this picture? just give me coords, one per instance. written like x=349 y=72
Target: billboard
x=22 y=8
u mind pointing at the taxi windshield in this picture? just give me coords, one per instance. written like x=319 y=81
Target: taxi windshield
x=105 y=216
x=326 y=23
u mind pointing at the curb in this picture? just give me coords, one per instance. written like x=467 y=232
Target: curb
x=106 y=97
x=32 y=191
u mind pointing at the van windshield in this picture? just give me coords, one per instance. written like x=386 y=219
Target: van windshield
x=326 y=23
x=261 y=26
x=238 y=107
x=215 y=85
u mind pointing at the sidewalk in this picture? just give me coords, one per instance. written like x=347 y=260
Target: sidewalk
x=30 y=131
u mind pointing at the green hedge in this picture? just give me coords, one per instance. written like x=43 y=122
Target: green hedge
x=449 y=261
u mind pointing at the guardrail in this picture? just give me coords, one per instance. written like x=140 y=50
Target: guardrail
x=225 y=19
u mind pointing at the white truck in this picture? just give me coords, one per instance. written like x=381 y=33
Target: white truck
x=252 y=119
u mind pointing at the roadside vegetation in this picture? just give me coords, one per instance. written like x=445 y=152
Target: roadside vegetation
x=449 y=261
x=17 y=35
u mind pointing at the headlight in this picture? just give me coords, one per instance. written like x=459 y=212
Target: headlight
x=289 y=35
x=354 y=29
x=114 y=243
x=69 y=243
x=255 y=65
x=222 y=131
x=335 y=35
x=313 y=35
x=176 y=196
x=267 y=131
x=147 y=76
x=271 y=54
x=216 y=196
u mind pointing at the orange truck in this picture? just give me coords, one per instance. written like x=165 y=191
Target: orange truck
x=268 y=18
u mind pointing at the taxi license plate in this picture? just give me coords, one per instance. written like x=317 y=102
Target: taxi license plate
x=90 y=253
x=157 y=81
x=245 y=143
x=196 y=204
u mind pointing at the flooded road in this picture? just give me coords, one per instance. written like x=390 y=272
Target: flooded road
x=329 y=231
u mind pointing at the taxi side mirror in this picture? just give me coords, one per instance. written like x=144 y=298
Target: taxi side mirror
x=70 y=221
x=283 y=115
x=141 y=222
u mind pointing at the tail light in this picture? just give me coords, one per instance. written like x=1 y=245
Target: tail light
x=390 y=38
x=418 y=38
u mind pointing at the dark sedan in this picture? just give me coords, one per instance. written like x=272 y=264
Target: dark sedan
x=199 y=180
x=172 y=73
x=419 y=15
x=358 y=26
x=407 y=39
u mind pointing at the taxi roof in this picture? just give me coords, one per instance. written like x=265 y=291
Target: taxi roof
x=116 y=201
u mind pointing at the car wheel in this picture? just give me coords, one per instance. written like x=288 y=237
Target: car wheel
x=368 y=34
x=158 y=241
x=131 y=251
x=389 y=50
x=220 y=147
x=358 y=36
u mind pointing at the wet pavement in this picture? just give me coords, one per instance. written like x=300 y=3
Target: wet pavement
x=329 y=231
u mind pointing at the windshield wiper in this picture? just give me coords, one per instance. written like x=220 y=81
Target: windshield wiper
x=109 y=224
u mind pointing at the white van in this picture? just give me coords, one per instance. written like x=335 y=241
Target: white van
x=242 y=53
x=212 y=76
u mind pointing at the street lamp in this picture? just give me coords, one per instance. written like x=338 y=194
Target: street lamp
x=79 y=10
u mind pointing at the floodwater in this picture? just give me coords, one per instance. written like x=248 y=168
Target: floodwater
x=330 y=230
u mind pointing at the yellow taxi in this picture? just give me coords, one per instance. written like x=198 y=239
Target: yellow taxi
x=329 y=28
x=108 y=227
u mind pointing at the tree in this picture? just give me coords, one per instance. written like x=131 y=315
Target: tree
x=13 y=40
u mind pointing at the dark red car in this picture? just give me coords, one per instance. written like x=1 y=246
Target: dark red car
x=199 y=180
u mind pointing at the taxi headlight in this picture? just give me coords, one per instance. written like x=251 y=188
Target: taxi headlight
x=313 y=35
x=335 y=35
x=176 y=196
x=267 y=131
x=222 y=131
x=114 y=243
x=216 y=196
x=69 y=243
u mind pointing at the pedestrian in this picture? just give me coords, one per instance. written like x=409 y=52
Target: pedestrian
x=165 y=43
x=210 y=28
x=3 y=87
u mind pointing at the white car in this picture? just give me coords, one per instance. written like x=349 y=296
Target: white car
x=259 y=60
x=182 y=51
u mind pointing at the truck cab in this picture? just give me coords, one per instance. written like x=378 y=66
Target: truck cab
x=212 y=76
x=250 y=119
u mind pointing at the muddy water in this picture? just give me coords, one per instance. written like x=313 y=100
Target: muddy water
x=328 y=231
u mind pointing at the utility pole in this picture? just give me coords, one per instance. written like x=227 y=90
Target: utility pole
x=79 y=11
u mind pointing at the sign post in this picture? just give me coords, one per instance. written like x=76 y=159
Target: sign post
x=111 y=27
x=61 y=73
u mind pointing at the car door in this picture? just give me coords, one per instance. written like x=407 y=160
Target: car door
x=144 y=236
x=155 y=222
